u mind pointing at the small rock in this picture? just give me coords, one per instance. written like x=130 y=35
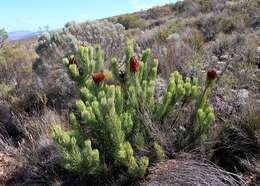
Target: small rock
x=164 y=51
x=221 y=63
x=224 y=57
x=176 y=39
x=160 y=88
x=243 y=93
x=257 y=104
x=243 y=98
x=214 y=58
x=219 y=72
x=243 y=71
x=258 y=49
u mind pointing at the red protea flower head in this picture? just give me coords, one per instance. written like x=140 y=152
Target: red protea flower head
x=212 y=74
x=134 y=64
x=72 y=60
x=98 y=77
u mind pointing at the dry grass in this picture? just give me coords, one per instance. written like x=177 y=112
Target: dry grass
x=8 y=166
x=34 y=159
x=16 y=60
x=189 y=170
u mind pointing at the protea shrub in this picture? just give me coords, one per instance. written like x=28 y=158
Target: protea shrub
x=111 y=112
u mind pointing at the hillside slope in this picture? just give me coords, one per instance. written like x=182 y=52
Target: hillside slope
x=191 y=36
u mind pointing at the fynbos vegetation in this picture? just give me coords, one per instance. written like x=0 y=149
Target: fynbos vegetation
x=112 y=111
x=177 y=104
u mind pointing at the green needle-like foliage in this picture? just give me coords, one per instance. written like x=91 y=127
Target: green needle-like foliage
x=76 y=157
x=159 y=152
x=111 y=110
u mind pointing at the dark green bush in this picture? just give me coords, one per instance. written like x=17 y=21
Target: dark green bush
x=131 y=21
x=159 y=12
x=167 y=30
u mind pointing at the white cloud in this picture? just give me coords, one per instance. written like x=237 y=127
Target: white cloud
x=138 y=5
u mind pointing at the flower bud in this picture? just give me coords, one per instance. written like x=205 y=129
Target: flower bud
x=121 y=153
x=86 y=116
x=88 y=145
x=201 y=115
x=98 y=77
x=101 y=94
x=134 y=64
x=194 y=91
x=212 y=74
x=74 y=70
x=171 y=85
x=210 y=117
x=209 y=109
x=72 y=61
x=187 y=87
x=96 y=110
x=195 y=81
x=95 y=155
x=65 y=61
x=180 y=90
x=80 y=105
x=86 y=94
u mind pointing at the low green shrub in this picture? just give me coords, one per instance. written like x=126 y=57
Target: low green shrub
x=196 y=40
x=167 y=30
x=227 y=25
x=4 y=90
x=130 y=21
x=238 y=22
x=159 y=12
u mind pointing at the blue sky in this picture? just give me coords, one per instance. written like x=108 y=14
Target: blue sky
x=32 y=14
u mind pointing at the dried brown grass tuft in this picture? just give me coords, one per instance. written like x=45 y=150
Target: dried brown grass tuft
x=189 y=170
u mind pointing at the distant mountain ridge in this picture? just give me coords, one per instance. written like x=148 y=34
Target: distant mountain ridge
x=22 y=34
